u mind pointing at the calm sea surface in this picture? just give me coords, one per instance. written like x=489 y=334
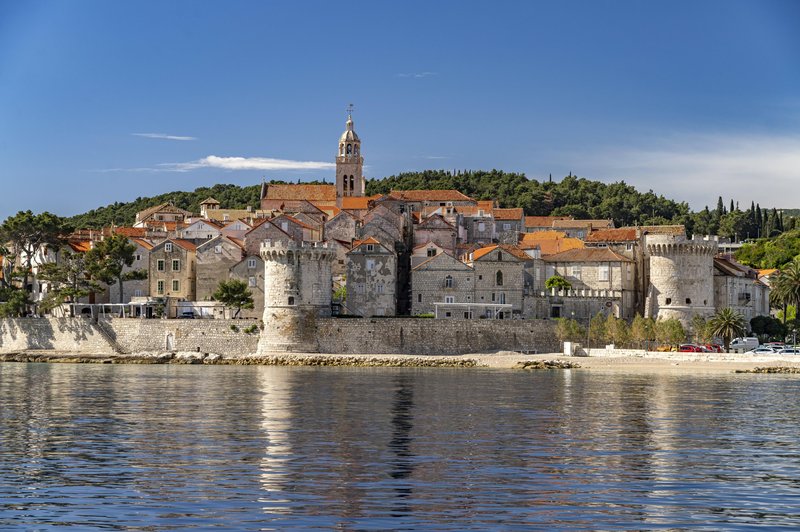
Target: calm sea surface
x=238 y=448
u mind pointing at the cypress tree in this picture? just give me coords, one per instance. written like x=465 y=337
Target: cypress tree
x=732 y=207
x=759 y=220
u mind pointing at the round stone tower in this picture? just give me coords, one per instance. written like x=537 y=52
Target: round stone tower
x=297 y=291
x=681 y=273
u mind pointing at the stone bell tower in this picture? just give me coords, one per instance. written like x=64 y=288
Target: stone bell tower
x=349 y=163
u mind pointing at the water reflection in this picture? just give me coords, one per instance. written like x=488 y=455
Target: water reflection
x=181 y=447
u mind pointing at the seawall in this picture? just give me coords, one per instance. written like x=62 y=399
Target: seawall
x=334 y=336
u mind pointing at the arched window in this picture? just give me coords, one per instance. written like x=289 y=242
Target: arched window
x=352 y=183
x=499 y=278
x=291 y=300
x=355 y=149
x=349 y=149
x=448 y=281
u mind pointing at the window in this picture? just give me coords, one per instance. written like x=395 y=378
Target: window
x=137 y=293
x=481 y=227
x=251 y=263
x=468 y=315
x=480 y=277
x=379 y=288
x=688 y=301
x=285 y=226
x=370 y=264
x=217 y=249
x=176 y=285
x=370 y=247
x=138 y=257
x=506 y=227
x=359 y=288
x=493 y=297
x=251 y=281
x=629 y=246
x=602 y=272
x=168 y=247
x=291 y=300
x=448 y=281
x=176 y=265
x=160 y=287
x=431 y=252
x=669 y=300
x=160 y=265
x=448 y=314
x=419 y=298
x=449 y=299
x=498 y=278
x=209 y=237
x=576 y=271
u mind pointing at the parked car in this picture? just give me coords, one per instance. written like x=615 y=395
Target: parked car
x=775 y=345
x=789 y=351
x=740 y=345
x=714 y=348
x=761 y=351
x=188 y=315
x=692 y=348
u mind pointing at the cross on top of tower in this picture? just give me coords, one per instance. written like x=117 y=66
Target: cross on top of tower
x=350 y=109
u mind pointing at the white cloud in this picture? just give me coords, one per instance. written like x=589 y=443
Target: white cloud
x=699 y=168
x=162 y=136
x=416 y=75
x=245 y=163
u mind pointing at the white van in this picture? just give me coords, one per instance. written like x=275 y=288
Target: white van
x=740 y=345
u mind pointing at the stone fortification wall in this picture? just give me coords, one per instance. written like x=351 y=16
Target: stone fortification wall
x=74 y=335
x=434 y=337
x=211 y=336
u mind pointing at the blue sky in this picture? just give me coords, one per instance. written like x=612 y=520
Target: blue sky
x=108 y=101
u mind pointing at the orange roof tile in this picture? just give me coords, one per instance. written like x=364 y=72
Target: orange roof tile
x=513 y=250
x=356 y=203
x=301 y=192
x=185 y=244
x=767 y=272
x=508 y=214
x=137 y=232
x=144 y=243
x=486 y=204
x=623 y=234
x=577 y=224
x=587 y=255
x=430 y=195
x=543 y=221
x=80 y=246
x=549 y=242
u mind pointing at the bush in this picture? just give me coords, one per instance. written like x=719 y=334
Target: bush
x=234 y=328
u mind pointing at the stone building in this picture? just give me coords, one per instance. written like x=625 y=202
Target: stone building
x=297 y=278
x=371 y=279
x=265 y=230
x=508 y=224
x=215 y=258
x=444 y=286
x=603 y=281
x=681 y=277
x=251 y=270
x=435 y=229
x=500 y=279
x=344 y=227
x=172 y=269
x=738 y=287
x=201 y=231
x=166 y=212
x=299 y=231
x=425 y=251
x=138 y=287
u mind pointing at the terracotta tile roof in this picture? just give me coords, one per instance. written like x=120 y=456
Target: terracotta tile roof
x=185 y=244
x=131 y=232
x=144 y=243
x=623 y=234
x=508 y=214
x=238 y=241
x=80 y=246
x=166 y=207
x=543 y=221
x=209 y=201
x=473 y=210
x=549 y=242
x=356 y=203
x=370 y=240
x=587 y=255
x=486 y=204
x=513 y=250
x=166 y=226
x=767 y=272
x=301 y=192
x=429 y=195
x=436 y=217
x=578 y=224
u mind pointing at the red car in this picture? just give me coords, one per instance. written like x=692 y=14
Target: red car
x=714 y=348
x=691 y=348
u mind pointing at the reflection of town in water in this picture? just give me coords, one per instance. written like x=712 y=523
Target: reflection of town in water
x=360 y=448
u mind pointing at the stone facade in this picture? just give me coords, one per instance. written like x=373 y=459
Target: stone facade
x=260 y=233
x=435 y=229
x=251 y=271
x=134 y=288
x=681 y=273
x=169 y=278
x=215 y=259
x=371 y=279
x=297 y=292
x=445 y=280
x=499 y=279
x=69 y=335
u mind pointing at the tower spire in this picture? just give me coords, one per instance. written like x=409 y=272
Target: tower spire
x=349 y=162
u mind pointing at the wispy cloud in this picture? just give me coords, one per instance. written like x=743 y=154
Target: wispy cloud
x=162 y=136
x=699 y=168
x=416 y=75
x=230 y=163
x=436 y=157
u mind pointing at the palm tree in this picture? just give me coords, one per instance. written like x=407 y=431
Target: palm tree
x=727 y=323
x=785 y=287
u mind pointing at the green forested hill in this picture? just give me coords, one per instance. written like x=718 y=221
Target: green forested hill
x=230 y=196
